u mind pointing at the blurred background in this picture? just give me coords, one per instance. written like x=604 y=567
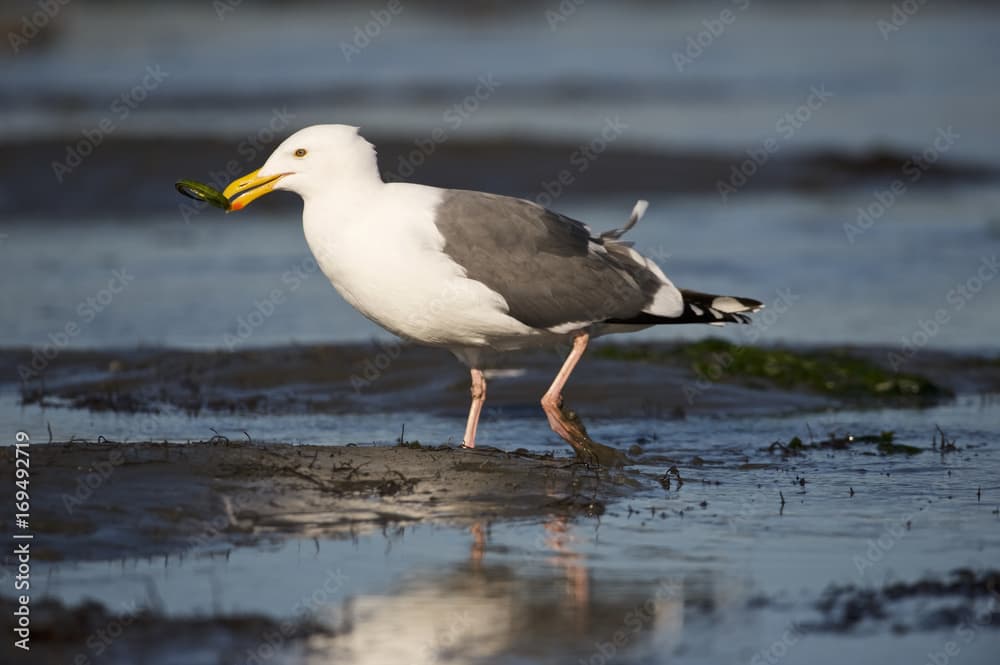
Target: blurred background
x=838 y=160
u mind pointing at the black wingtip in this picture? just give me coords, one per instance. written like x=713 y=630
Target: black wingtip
x=700 y=308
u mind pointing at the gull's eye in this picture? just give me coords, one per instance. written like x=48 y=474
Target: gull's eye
x=301 y=152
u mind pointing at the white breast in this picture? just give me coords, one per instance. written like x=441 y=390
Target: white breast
x=384 y=255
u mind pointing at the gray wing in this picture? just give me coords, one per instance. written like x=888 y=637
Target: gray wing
x=548 y=267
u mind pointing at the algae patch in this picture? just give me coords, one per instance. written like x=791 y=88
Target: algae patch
x=833 y=372
x=883 y=441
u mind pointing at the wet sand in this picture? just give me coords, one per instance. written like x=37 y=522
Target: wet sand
x=391 y=377
x=105 y=500
x=885 y=542
x=188 y=507
x=112 y=501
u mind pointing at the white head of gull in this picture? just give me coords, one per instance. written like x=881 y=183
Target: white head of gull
x=473 y=272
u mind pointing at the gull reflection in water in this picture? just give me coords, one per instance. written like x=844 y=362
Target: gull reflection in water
x=542 y=605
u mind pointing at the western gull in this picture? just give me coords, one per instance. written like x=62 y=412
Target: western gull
x=473 y=272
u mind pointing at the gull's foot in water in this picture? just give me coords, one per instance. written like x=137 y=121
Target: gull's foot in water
x=588 y=450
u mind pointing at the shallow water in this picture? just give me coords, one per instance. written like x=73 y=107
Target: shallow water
x=671 y=569
x=222 y=283
x=975 y=417
x=560 y=80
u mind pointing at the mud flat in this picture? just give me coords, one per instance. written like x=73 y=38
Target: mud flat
x=659 y=380
x=196 y=511
x=820 y=518
x=111 y=500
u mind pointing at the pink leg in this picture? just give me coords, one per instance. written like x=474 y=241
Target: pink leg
x=552 y=399
x=478 y=397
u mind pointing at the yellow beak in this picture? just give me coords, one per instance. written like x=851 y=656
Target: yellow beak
x=243 y=191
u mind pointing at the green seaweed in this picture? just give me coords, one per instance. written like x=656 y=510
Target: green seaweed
x=883 y=441
x=889 y=448
x=884 y=437
x=202 y=192
x=833 y=372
